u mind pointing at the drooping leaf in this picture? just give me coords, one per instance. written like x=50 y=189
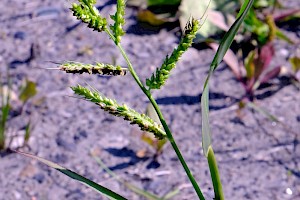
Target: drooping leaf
x=271 y=74
x=100 y=189
x=282 y=36
x=130 y=186
x=262 y=111
x=171 y=194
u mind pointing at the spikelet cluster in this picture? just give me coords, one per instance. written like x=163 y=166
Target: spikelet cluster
x=143 y=121
x=98 y=68
x=88 y=13
x=159 y=78
x=119 y=20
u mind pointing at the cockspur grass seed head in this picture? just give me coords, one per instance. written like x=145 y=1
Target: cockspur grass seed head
x=159 y=78
x=143 y=121
x=98 y=68
x=119 y=21
x=88 y=13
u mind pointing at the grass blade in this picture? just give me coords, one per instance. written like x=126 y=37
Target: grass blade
x=4 y=110
x=206 y=132
x=223 y=47
x=214 y=173
x=171 y=194
x=131 y=187
x=73 y=175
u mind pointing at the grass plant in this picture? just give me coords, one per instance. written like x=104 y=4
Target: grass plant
x=26 y=92
x=86 y=11
x=5 y=108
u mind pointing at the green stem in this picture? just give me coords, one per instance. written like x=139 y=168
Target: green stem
x=176 y=149
x=161 y=117
x=214 y=173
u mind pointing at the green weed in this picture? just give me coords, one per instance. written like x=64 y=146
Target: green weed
x=86 y=11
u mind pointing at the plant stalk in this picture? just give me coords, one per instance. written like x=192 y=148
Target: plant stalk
x=161 y=117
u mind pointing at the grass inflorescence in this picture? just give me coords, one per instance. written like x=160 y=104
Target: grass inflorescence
x=88 y=13
x=119 y=19
x=111 y=106
x=98 y=68
x=159 y=78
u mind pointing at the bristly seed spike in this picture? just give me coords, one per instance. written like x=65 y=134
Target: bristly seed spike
x=88 y=13
x=98 y=68
x=119 y=20
x=143 y=121
x=158 y=79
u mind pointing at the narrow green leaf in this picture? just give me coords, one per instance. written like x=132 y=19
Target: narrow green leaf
x=163 y=2
x=224 y=46
x=263 y=112
x=73 y=175
x=131 y=187
x=171 y=194
x=214 y=173
x=282 y=36
x=206 y=133
x=4 y=110
x=28 y=129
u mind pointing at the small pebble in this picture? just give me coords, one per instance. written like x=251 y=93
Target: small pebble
x=20 y=35
x=39 y=177
x=17 y=195
x=284 y=52
x=289 y=191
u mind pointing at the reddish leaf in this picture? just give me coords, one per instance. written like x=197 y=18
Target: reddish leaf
x=264 y=58
x=285 y=14
x=271 y=74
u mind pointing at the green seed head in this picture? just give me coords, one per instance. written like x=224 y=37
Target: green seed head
x=88 y=13
x=119 y=20
x=143 y=121
x=162 y=74
x=98 y=68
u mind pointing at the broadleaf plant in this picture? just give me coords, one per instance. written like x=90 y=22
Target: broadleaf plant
x=87 y=13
